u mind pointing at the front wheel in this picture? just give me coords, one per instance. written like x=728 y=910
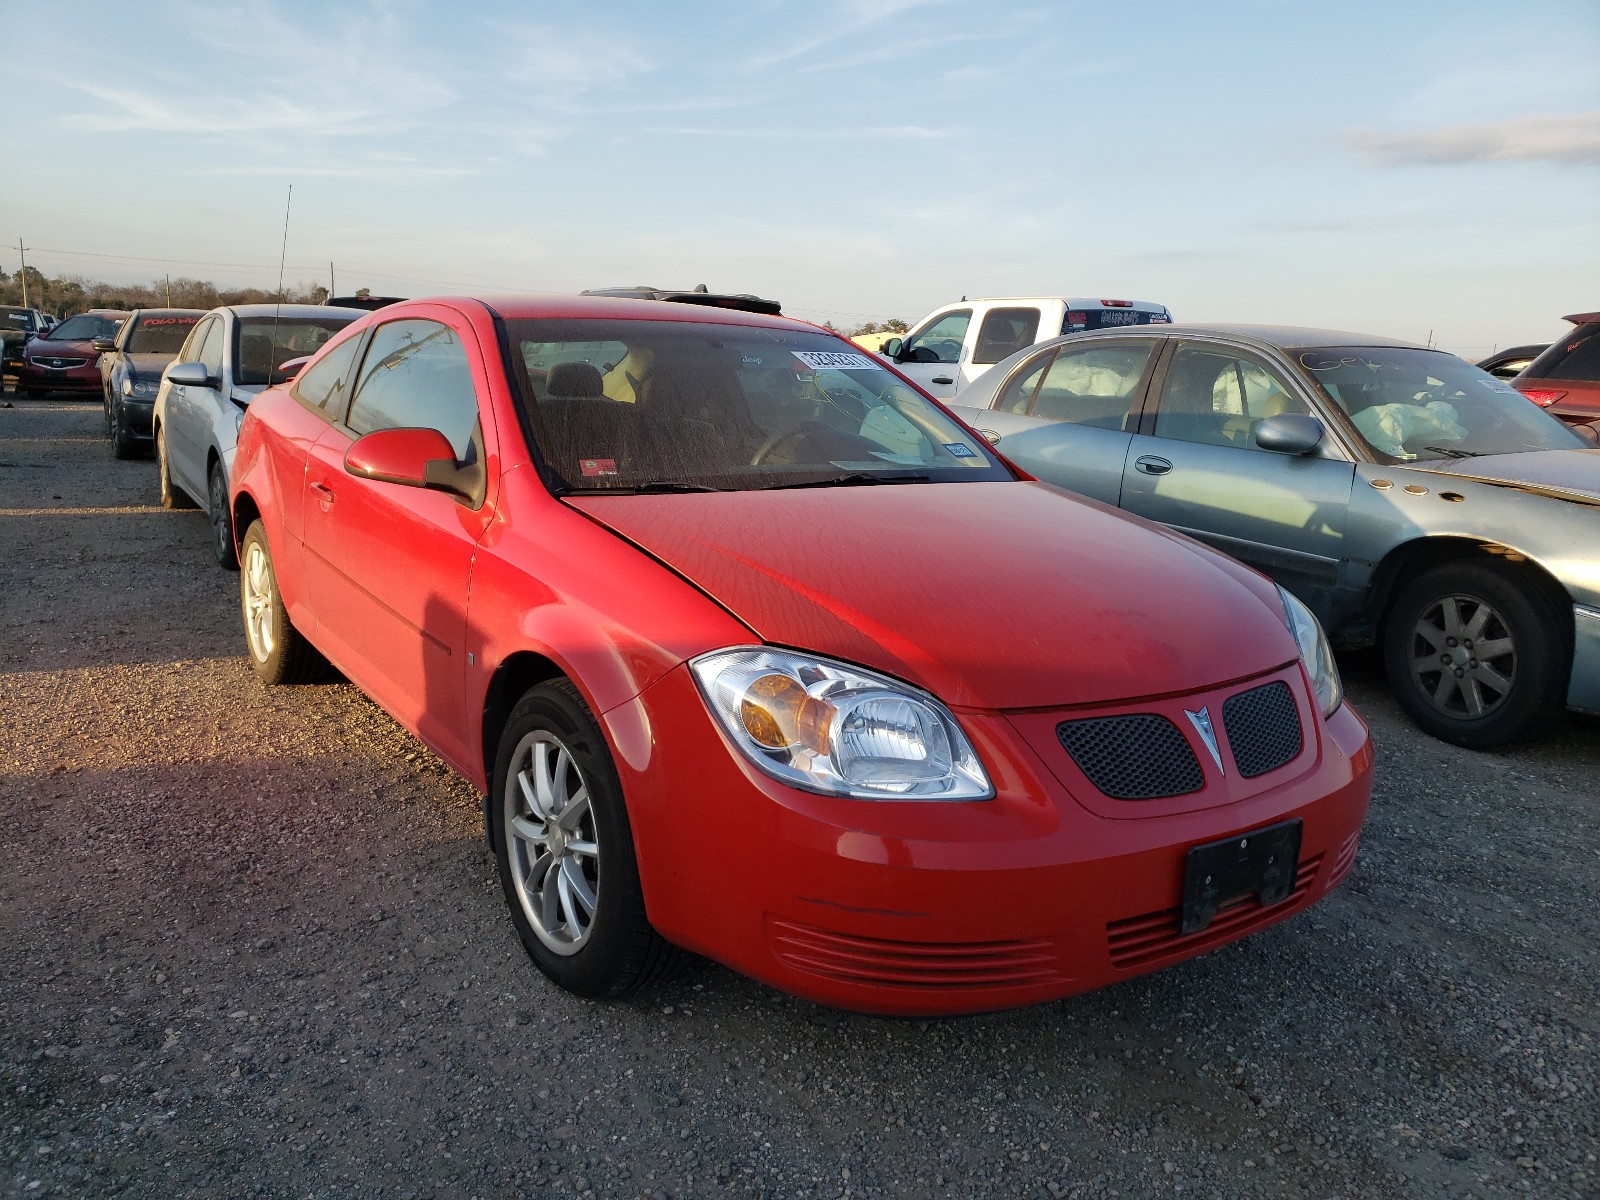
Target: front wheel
x=565 y=852
x=123 y=444
x=221 y=520
x=279 y=653
x=1477 y=654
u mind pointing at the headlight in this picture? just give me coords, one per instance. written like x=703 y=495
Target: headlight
x=1315 y=653
x=141 y=387
x=828 y=727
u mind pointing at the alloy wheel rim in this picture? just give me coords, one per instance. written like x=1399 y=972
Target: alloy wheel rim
x=258 y=591
x=552 y=842
x=1463 y=658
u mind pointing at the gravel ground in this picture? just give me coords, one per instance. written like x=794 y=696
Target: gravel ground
x=251 y=944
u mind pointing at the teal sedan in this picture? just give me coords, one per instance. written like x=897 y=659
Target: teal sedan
x=1407 y=497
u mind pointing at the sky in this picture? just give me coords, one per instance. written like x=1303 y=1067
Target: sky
x=1428 y=169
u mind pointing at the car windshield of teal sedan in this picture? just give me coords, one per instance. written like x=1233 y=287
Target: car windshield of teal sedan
x=1424 y=404
x=673 y=405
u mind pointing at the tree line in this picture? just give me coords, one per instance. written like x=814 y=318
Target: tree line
x=66 y=295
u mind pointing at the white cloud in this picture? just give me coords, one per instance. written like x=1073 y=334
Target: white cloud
x=1570 y=139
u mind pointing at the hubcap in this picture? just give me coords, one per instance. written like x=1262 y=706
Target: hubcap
x=257 y=588
x=1463 y=658
x=554 y=852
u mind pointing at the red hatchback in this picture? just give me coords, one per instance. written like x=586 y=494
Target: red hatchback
x=758 y=652
x=63 y=359
x=1565 y=378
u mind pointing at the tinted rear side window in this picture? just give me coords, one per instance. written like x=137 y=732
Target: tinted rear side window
x=322 y=385
x=1576 y=356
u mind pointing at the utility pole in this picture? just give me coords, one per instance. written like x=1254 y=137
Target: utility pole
x=169 y=289
x=23 y=254
x=330 y=279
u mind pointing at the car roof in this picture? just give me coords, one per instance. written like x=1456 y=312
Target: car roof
x=288 y=310
x=1583 y=318
x=169 y=312
x=618 y=308
x=1278 y=337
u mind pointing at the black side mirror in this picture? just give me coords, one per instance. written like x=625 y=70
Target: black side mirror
x=891 y=349
x=104 y=345
x=1290 y=433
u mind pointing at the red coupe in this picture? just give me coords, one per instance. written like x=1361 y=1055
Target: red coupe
x=1565 y=377
x=758 y=652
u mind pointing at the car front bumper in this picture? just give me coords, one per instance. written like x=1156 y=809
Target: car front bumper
x=82 y=378
x=933 y=908
x=137 y=417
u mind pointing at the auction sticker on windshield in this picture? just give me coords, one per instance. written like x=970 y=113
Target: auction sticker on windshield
x=835 y=360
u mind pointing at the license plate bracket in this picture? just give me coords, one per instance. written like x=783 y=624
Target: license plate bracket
x=1260 y=861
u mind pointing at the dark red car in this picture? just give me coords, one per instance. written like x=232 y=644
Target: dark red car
x=64 y=359
x=1565 y=378
x=756 y=651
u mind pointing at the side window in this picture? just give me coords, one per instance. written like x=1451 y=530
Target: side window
x=211 y=348
x=416 y=375
x=1217 y=397
x=1005 y=331
x=190 y=351
x=1017 y=395
x=1093 y=385
x=323 y=384
x=939 y=342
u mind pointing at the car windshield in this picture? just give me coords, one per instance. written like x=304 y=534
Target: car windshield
x=85 y=327
x=263 y=344
x=16 y=318
x=161 y=333
x=1411 y=404
x=677 y=405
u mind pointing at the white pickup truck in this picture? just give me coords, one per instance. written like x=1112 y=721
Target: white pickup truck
x=953 y=345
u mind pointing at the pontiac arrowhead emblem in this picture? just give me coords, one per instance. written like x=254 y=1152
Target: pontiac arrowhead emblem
x=1202 y=725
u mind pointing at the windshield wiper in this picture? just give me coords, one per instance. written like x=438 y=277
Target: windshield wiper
x=1453 y=452
x=653 y=485
x=854 y=479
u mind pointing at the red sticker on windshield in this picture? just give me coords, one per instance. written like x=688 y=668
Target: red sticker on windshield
x=598 y=466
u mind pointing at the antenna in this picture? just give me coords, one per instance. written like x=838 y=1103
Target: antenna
x=282 y=258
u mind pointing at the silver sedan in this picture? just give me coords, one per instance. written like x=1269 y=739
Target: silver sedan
x=232 y=355
x=1406 y=497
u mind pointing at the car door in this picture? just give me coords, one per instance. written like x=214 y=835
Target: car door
x=1067 y=414
x=1195 y=465
x=931 y=355
x=998 y=333
x=187 y=409
x=388 y=566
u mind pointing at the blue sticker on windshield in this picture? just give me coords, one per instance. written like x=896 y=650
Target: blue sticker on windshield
x=960 y=450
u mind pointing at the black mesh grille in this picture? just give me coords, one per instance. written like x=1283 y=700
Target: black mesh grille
x=1263 y=728
x=1140 y=757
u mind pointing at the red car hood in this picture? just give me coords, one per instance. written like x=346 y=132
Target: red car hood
x=989 y=595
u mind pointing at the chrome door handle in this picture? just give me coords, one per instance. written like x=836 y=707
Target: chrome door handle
x=1152 y=465
x=941 y=379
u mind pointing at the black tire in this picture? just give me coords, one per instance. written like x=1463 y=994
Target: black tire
x=172 y=496
x=110 y=406
x=278 y=652
x=616 y=950
x=221 y=520
x=123 y=444
x=1441 y=622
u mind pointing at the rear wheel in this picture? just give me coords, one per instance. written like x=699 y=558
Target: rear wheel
x=221 y=520
x=565 y=852
x=172 y=496
x=278 y=651
x=1478 y=654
